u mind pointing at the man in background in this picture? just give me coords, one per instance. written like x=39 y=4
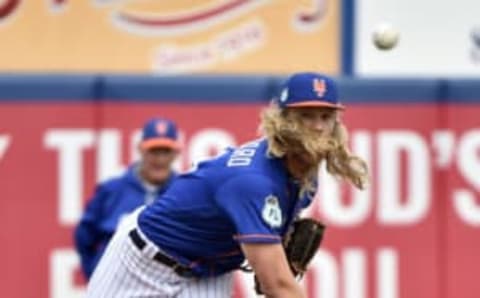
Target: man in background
x=142 y=182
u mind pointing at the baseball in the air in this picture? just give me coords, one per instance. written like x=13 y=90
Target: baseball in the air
x=385 y=37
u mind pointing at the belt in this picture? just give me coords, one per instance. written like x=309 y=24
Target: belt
x=180 y=269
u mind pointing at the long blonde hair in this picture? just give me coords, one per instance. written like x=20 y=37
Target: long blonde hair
x=287 y=135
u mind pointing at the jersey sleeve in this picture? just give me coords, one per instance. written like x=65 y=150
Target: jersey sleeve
x=252 y=206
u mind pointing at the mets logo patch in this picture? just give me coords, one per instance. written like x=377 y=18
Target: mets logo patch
x=271 y=213
x=161 y=128
x=320 y=87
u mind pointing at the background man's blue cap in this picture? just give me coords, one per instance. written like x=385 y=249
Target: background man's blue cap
x=160 y=133
x=308 y=89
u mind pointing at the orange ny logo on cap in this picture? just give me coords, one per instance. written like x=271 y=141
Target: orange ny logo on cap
x=161 y=128
x=320 y=87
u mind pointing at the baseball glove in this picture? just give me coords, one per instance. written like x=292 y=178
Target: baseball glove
x=301 y=244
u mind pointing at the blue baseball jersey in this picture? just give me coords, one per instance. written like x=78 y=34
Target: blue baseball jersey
x=111 y=201
x=243 y=196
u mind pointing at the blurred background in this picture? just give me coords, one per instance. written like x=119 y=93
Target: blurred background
x=79 y=78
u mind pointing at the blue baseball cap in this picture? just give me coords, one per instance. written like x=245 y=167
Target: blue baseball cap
x=308 y=89
x=160 y=133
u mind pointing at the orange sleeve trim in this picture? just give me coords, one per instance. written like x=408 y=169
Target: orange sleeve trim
x=266 y=236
